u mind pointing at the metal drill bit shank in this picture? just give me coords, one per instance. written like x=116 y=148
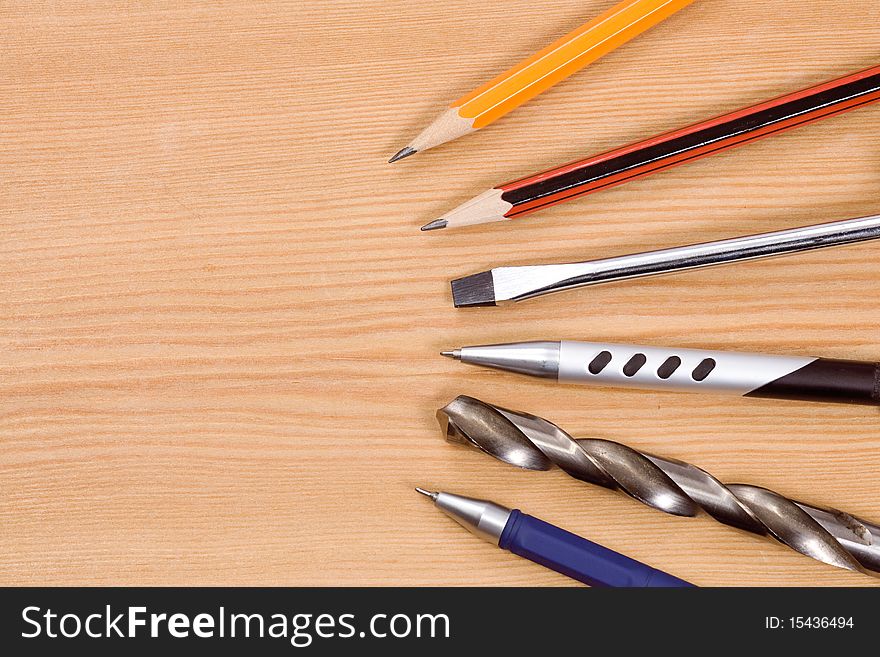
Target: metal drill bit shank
x=678 y=488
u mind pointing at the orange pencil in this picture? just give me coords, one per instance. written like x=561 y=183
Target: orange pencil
x=544 y=69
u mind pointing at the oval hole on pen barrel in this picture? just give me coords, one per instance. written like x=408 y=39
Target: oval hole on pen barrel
x=599 y=362
x=704 y=369
x=668 y=367
x=635 y=364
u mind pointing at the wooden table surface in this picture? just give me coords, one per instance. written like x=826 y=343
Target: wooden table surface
x=220 y=323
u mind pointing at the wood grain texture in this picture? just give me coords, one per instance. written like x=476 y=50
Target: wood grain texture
x=218 y=370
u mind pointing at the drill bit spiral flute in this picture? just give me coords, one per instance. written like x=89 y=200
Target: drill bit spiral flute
x=678 y=488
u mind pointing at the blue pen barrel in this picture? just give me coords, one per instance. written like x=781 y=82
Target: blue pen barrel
x=576 y=557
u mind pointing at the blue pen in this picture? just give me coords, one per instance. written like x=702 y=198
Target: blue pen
x=550 y=546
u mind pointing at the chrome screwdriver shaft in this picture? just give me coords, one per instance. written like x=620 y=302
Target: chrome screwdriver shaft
x=504 y=284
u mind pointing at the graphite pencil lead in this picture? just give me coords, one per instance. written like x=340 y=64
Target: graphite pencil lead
x=437 y=224
x=402 y=153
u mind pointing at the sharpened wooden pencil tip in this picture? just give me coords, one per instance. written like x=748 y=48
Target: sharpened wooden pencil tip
x=483 y=209
x=402 y=153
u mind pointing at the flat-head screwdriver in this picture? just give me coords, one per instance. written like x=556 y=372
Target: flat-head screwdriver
x=504 y=284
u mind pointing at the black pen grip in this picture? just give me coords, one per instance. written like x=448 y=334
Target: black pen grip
x=827 y=380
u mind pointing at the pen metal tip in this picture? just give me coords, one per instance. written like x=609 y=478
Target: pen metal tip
x=437 y=224
x=456 y=354
x=427 y=493
x=402 y=153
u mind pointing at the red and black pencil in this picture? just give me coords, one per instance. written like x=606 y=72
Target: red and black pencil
x=615 y=167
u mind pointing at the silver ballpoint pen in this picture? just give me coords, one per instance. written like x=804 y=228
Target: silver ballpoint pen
x=689 y=370
x=504 y=284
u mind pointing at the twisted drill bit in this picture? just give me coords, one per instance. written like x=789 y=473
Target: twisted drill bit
x=527 y=441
